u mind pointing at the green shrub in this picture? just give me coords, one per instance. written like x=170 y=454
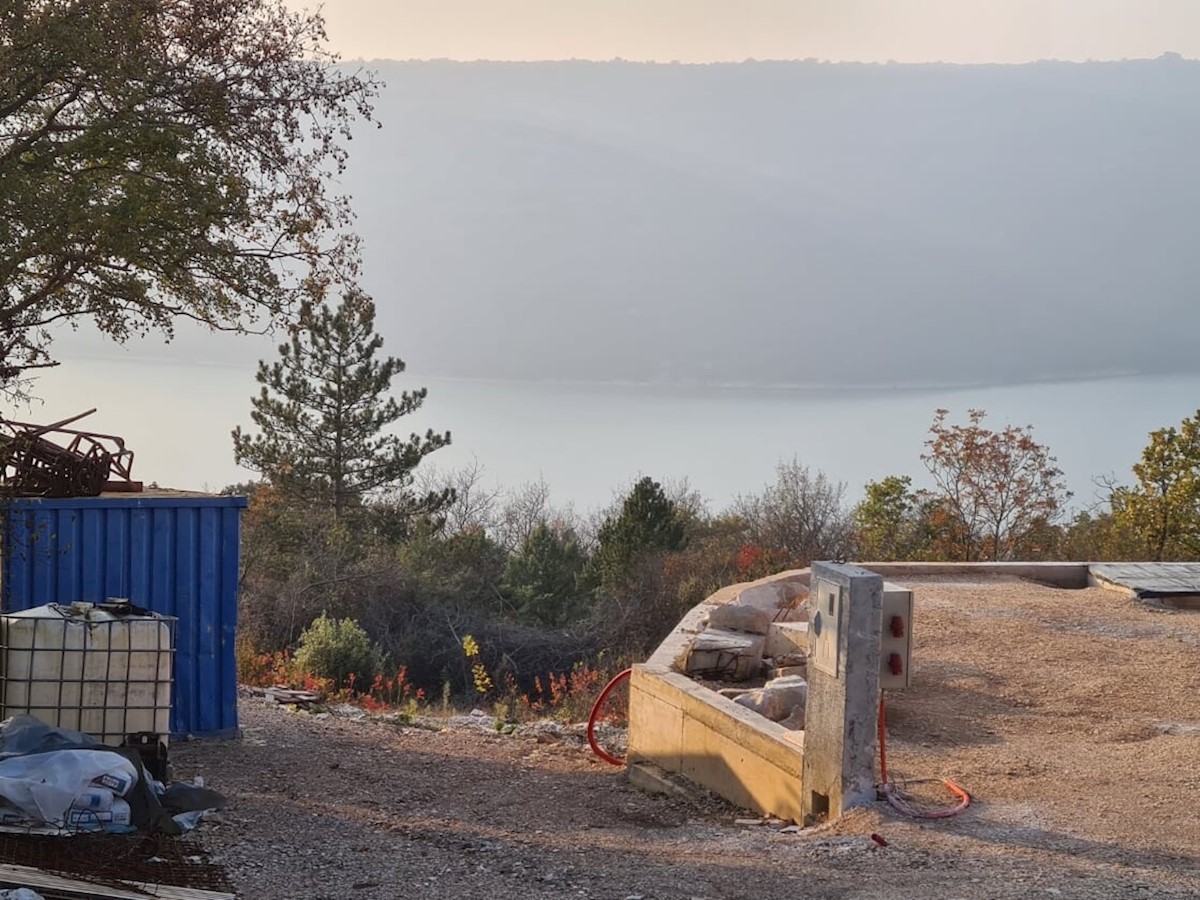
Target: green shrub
x=338 y=649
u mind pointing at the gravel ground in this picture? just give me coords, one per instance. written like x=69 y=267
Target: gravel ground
x=1070 y=715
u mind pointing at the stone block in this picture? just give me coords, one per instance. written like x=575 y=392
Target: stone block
x=781 y=599
x=786 y=640
x=777 y=699
x=731 y=655
x=795 y=721
x=740 y=617
x=785 y=671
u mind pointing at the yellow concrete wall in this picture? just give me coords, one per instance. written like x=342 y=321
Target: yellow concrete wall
x=682 y=727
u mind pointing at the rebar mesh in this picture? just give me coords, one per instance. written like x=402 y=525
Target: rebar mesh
x=113 y=860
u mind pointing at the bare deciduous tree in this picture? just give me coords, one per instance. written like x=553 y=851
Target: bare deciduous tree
x=524 y=509
x=474 y=505
x=799 y=518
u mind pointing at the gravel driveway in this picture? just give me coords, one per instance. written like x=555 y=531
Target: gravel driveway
x=330 y=807
x=1071 y=715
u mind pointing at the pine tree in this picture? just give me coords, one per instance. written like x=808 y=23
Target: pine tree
x=543 y=578
x=323 y=410
x=649 y=522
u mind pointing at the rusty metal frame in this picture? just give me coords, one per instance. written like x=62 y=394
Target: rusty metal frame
x=85 y=464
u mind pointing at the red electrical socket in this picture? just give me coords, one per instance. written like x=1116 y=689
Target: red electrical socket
x=897 y=626
x=896 y=664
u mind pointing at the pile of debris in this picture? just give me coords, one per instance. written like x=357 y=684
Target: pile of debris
x=286 y=696
x=80 y=464
x=760 y=635
x=56 y=783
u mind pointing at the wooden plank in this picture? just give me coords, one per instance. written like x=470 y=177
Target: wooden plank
x=123 y=487
x=25 y=876
x=286 y=695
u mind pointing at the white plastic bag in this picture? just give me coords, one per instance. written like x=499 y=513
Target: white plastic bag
x=43 y=786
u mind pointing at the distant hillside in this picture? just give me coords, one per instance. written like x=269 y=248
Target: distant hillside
x=784 y=222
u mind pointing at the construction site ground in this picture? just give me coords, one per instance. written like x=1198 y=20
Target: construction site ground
x=1071 y=716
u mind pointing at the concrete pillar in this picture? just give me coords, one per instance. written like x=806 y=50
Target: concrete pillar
x=843 y=690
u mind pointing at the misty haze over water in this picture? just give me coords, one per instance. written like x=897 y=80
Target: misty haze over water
x=833 y=226
x=588 y=441
x=732 y=223
x=725 y=223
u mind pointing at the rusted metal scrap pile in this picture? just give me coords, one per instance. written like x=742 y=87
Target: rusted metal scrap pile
x=57 y=461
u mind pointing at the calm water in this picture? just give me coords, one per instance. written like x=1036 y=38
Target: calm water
x=586 y=440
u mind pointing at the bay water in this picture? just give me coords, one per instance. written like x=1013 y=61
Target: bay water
x=589 y=440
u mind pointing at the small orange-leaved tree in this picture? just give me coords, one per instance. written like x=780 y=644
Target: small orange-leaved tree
x=999 y=494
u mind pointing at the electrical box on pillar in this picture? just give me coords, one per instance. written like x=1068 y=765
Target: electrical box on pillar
x=895 y=638
x=824 y=626
x=838 y=770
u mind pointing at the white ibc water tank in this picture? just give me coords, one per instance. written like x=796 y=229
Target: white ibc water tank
x=103 y=669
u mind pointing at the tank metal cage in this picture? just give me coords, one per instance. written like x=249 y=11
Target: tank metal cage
x=106 y=674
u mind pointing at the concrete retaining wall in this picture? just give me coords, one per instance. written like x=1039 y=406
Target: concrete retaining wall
x=1068 y=575
x=682 y=727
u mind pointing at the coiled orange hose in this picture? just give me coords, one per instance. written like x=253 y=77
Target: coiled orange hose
x=896 y=798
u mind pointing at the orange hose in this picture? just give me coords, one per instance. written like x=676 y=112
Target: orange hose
x=595 y=715
x=883 y=742
x=895 y=798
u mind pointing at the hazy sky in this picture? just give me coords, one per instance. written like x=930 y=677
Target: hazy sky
x=707 y=30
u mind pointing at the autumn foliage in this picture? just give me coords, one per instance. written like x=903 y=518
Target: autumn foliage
x=999 y=493
x=1161 y=512
x=533 y=624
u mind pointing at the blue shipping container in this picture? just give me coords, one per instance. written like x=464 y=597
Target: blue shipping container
x=172 y=554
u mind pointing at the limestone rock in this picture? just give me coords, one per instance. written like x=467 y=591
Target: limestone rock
x=781 y=599
x=784 y=671
x=740 y=617
x=795 y=721
x=777 y=699
x=732 y=655
x=785 y=639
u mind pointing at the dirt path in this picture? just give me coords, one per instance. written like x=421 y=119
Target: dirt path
x=1068 y=714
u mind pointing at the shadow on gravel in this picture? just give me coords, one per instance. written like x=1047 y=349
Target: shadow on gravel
x=1046 y=841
